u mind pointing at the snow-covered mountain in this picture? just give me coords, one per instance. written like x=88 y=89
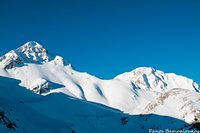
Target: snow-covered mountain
x=31 y=52
x=141 y=92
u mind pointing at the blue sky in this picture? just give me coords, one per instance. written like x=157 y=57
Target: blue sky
x=105 y=37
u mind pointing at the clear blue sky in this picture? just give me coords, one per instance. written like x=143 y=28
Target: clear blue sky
x=105 y=37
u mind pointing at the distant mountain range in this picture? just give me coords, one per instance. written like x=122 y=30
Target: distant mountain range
x=40 y=92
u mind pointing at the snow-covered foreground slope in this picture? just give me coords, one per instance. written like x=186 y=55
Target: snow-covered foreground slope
x=24 y=111
x=131 y=92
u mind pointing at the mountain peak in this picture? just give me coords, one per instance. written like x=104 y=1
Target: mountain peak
x=151 y=79
x=32 y=44
x=33 y=52
x=30 y=52
x=144 y=69
x=137 y=73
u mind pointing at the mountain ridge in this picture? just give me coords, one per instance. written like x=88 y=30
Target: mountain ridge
x=131 y=92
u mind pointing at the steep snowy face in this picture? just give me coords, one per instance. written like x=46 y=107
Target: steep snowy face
x=31 y=52
x=147 y=78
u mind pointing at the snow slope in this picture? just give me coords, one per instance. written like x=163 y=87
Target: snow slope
x=178 y=103
x=131 y=92
x=28 y=112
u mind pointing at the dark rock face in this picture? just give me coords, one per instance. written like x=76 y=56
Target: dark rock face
x=41 y=88
x=10 y=60
x=6 y=121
